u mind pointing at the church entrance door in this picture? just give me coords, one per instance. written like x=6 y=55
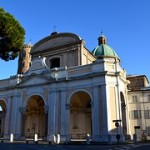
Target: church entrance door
x=36 y=119
x=80 y=115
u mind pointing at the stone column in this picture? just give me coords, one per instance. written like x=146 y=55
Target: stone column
x=46 y=109
x=99 y=113
x=67 y=122
x=59 y=112
x=22 y=120
x=95 y=114
x=52 y=115
x=11 y=116
x=63 y=115
x=104 y=113
x=16 y=117
x=49 y=117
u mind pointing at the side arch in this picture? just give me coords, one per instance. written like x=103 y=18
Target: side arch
x=123 y=112
x=3 y=109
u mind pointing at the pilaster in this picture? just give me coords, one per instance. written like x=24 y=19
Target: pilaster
x=95 y=114
x=63 y=115
x=17 y=116
x=52 y=115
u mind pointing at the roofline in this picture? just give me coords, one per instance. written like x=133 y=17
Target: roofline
x=134 y=76
x=53 y=36
x=140 y=90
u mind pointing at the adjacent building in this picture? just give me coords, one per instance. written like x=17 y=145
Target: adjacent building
x=139 y=106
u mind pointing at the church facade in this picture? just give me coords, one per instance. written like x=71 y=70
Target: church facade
x=63 y=88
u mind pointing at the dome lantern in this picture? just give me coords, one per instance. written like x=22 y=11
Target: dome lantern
x=101 y=39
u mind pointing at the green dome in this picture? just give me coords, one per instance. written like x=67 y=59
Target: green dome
x=103 y=50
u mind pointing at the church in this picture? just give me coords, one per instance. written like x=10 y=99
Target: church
x=63 y=88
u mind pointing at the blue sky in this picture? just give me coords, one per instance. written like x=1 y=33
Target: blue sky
x=125 y=23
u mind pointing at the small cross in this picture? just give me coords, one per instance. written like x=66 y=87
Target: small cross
x=55 y=28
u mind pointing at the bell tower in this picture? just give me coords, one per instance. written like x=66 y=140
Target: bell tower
x=24 y=60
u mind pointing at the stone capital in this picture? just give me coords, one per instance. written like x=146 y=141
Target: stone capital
x=22 y=110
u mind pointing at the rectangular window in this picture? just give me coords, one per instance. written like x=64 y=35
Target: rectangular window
x=134 y=99
x=135 y=114
x=148 y=130
x=148 y=98
x=139 y=114
x=147 y=114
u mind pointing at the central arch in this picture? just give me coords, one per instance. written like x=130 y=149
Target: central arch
x=36 y=118
x=80 y=115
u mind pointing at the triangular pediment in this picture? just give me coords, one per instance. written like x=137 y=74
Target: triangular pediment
x=34 y=79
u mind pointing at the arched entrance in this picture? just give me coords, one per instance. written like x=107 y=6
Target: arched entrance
x=36 y=118
x=123 y=109
x=80 y=115
x=2 y=117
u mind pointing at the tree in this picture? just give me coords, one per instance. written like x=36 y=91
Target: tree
x=11 y=36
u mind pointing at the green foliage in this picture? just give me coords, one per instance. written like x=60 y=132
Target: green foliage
x=11 y=36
